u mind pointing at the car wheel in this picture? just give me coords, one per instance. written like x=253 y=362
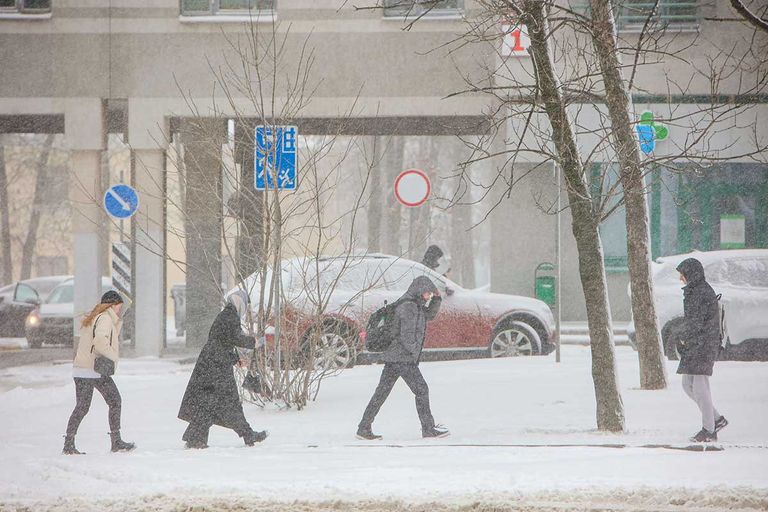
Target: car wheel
x=35 y=341
x=514 y=339
x=334 y=349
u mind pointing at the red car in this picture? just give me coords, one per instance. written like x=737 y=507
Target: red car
x=349 y=289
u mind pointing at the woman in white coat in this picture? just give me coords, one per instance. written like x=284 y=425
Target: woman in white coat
x=99 y=333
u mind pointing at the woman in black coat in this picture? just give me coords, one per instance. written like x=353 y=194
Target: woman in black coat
x=700 y=345
x=211 y=397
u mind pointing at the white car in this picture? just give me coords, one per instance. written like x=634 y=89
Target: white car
x=741 y=276
x=471 y=322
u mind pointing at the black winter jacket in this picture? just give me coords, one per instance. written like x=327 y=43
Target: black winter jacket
x=211 y=395
x=412 y=316
x=701 y=324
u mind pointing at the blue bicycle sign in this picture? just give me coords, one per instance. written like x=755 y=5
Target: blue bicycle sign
x=275 y=157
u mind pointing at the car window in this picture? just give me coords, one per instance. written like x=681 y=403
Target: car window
x=350 y=275
x=25 y=293
x=400 y=276
x=62 y=294
x=740 y=272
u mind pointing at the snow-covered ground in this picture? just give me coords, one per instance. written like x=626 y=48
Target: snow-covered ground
x=312 y=455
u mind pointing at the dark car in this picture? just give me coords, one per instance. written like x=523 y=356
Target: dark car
x=52 y=322
x=17 y=300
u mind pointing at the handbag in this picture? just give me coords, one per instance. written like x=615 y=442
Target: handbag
x=104 y=366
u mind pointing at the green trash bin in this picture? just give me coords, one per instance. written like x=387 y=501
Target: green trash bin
x=544 y=283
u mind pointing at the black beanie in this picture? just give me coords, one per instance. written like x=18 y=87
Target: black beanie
x=111 y=297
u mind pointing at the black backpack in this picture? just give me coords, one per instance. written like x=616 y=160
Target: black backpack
x=382 y=328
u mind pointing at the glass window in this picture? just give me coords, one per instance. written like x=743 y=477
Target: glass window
x=613 y=230
x=427 y=8
x=739 y=272
x=352 y=276
x=674 y=14
x=225 y=7
x=25 y=293
x=25 y=6
x=62 y=294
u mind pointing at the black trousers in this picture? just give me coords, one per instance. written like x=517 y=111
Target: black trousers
x=414 y=379
x=84 y=395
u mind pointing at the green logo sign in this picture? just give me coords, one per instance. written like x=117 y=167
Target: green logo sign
x=660 y=130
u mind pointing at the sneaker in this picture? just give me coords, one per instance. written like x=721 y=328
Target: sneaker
x=704 y=436
x=436 y=431
x=366 y=434
x=720 y=424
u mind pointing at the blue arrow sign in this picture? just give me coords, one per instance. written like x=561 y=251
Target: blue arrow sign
x=121 y=201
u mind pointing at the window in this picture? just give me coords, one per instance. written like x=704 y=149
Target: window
x=426 y=8
x=672 y=14
x=613 y=230
x=63 y=294
x=225 y=7
x=25 y=6
x=25 y=293
x=631 y=14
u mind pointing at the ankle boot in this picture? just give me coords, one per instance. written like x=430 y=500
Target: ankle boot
x=69 y=446
x=118 y=445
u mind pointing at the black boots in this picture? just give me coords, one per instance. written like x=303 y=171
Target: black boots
x=118 y=445
x=252 y=437
x=69 y=446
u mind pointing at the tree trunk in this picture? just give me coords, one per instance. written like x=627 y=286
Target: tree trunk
x=393 y=163
x=375 y=197
x=610 y=408
x=28 y=249
x=5 y=228
x=619 y=102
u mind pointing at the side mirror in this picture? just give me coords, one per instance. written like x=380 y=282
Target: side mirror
x=449 y=291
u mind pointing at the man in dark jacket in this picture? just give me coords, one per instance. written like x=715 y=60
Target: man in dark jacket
x=419 y=305
x=211 y=397
x=700 y=345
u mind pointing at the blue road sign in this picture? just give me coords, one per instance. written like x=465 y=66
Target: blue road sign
x=275 y=157
x=647 y=136
x=121 y=201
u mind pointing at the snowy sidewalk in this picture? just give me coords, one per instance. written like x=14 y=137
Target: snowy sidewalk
x=312 y=455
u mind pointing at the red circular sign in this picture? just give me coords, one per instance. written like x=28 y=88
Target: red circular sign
x=412 y=187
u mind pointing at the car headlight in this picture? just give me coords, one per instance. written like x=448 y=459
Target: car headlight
x=33 y=320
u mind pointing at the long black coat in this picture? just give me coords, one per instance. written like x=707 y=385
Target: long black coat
x=701 y=329
x=211 y=396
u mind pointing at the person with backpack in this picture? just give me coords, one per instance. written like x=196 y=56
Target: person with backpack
x=412 y=311
x=700 y=345
x=98 y=351
x=211 y=397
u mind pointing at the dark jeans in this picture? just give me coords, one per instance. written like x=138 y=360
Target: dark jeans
x=84 y=394
x=412 y=376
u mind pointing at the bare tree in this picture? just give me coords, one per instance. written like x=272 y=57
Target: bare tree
x=5 y=227
x=625 y=143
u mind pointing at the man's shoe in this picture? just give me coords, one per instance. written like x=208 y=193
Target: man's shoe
x=704 y=436
x=436 y=431
x=720 y=424
x=253 y=437
x=366 y=434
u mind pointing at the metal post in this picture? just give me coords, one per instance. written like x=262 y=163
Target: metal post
x=558 y=299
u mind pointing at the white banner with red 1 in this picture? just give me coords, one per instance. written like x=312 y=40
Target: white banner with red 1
x=516 y=40
x=412 y=188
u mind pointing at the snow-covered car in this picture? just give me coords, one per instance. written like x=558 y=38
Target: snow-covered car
x=52 y=321
x=741 y=276
x=470 y=323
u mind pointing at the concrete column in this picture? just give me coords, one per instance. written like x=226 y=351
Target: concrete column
x=85 y=136
x=203 y=139
x=148 y=135
x=149 y=254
